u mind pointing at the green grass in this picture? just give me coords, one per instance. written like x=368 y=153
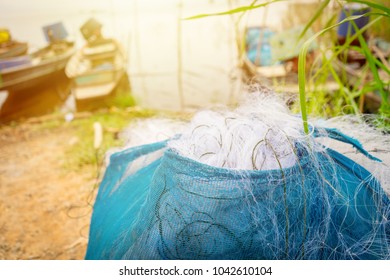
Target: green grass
x=113 y=121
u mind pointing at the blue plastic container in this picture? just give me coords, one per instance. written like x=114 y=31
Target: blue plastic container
x=258 y=45
x=353 y=9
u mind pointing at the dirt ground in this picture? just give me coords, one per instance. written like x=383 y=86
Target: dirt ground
x=44 y=210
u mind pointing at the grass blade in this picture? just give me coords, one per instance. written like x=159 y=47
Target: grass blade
x=372 y=5
x=302 y=68
x=314 y=18
x=342 y=48
x=371 y=62
x=234 y=11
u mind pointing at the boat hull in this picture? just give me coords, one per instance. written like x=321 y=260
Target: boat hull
x=41 y=99
x=96 y=73
x=24 y=76
x=37 y=86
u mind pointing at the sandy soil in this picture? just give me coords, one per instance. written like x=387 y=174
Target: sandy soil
x=44 y=211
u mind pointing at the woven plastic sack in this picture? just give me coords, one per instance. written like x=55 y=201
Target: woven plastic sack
x=156 y=204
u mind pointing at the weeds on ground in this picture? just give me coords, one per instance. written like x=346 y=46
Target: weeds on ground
x=82 y=152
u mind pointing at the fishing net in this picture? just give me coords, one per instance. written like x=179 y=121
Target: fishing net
x=241 y=184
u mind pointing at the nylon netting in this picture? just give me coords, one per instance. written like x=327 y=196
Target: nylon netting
x=160 y=201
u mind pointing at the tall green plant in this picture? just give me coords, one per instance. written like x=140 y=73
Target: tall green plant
x=302 y=63
x=380 y=12
x=372 y=61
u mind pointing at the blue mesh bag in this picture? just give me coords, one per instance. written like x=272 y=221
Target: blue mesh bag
x=156 y=204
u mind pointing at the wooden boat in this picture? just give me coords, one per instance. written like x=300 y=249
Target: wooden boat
x=10 y=48
x=22 y=72
x=35 y=84
x=95 y=71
